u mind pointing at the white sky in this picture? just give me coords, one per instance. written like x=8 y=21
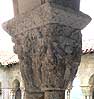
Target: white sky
x=87 y=6
x=6 y=13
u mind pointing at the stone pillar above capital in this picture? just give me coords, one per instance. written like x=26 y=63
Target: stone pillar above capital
x=46 y=14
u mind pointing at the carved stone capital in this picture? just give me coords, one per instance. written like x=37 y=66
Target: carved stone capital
x=48 y=43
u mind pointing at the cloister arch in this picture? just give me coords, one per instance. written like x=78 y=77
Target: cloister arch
x=91 y=84
x=17 y=90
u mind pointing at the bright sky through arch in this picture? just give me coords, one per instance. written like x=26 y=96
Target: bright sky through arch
x=87 y=6
x=6 y=13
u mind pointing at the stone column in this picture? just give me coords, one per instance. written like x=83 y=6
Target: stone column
x=68 y=90
x=68 y=93
x=12 y=94
x=86 y=92
x=48 y=43
x=22 y=93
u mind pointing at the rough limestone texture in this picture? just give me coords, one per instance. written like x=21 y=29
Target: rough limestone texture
x=54 y=95
x=48 y=43
x=73 y=4
x=25 y=5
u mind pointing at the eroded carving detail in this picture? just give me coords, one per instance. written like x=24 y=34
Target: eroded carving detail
x=48 y=54
x=48 y=43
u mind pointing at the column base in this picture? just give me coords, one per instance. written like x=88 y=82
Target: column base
x=54 y=94
x=34 y=95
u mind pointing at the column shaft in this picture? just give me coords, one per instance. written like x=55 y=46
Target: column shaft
x=54 y=95
x=34 y=95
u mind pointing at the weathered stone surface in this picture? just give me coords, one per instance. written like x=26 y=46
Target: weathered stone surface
x=46 y=54
x=48 y=43
x=73 y=4
x=34 y=95
x=50 y=54
x=45 y=14
x=54 y=94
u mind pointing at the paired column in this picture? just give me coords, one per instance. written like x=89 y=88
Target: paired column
x=68 y=93
x=22 y=93
x=87 y=97
x=12 y=94
x=86 y=92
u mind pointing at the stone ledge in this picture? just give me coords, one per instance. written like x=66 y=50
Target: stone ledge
x=53 y=89
x=45 y=14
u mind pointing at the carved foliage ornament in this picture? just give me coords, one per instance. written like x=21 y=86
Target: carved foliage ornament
x=48 y=43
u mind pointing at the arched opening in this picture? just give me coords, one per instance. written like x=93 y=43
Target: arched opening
x=91 y=84
x=17 y=90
